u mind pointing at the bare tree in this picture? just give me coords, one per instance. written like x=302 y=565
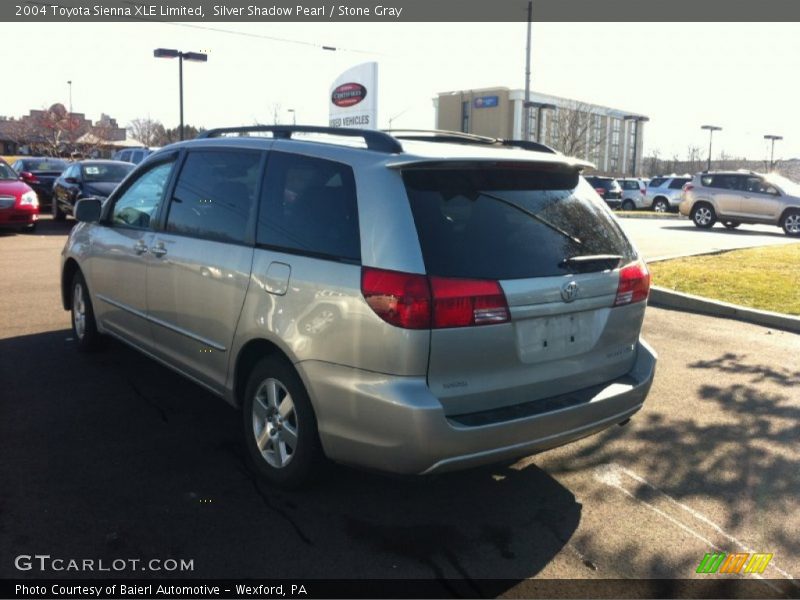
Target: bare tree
x=50 y=132
x=576 y=131
x=694 y=159
x=148 y=131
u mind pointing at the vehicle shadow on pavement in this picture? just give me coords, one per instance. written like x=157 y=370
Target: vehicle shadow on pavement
x=736 y=454
x=778 y=233
x=109 y=455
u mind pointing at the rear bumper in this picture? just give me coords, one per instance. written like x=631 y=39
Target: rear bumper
x=395 y=424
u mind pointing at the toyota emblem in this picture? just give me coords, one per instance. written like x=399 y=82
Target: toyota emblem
x=569 y=291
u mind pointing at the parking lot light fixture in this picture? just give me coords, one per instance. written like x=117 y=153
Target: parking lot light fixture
x=539 y=106
x=636 y=120
x=711 y=130
x=772 y=138
x=181 y=56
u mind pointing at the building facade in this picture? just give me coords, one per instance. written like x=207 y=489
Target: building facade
x=611 y=138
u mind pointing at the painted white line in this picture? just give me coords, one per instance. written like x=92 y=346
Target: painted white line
x=611 y=474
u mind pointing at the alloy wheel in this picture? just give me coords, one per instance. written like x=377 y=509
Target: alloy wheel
x=79 y=311
x=275 y=423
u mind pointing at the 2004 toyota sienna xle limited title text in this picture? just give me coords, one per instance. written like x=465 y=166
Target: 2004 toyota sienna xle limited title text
x=410 y=303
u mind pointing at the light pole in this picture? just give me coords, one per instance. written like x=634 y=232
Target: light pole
x=526 y=125
x=539 y=106
x=181 y=56
x=711 y=130
x=636 y=120
x=69 y=83
x=294 y=115
x=772 y=138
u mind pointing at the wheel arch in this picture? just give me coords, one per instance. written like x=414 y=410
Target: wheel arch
x=786 y=212
x=249 y=354
x=67 y=273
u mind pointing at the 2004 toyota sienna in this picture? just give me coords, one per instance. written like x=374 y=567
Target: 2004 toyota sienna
x=409 y=303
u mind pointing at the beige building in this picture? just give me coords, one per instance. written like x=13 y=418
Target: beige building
x=611 y=138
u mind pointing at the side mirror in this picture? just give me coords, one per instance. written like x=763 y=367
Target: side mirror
x=87 y=210
x=71 y=180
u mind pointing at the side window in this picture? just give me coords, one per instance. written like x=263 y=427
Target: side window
x=214 y=195
x=73 y=171
x=309 y=205
x=677 y=184
x=656 y=182
x=138 y=204
x=136 y=157
x=125 y=156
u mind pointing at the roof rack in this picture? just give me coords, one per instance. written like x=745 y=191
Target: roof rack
x=375 y=140
x=457 y=137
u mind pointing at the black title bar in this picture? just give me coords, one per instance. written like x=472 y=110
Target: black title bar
x=399 y=10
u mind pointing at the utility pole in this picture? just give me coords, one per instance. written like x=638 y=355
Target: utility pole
x=526 y=109
x=772 y=138
x=711 y=130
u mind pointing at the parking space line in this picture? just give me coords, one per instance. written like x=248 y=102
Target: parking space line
x=612 y=474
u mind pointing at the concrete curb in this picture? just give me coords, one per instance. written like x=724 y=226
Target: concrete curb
x=664 y=298
x=650 y=216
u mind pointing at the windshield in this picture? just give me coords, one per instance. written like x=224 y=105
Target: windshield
x=111 y=172
x=511 y=223
x=7 y=173
x=787 y=185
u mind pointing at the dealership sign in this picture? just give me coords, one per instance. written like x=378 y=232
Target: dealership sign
x=486 y=101
x=353 y=100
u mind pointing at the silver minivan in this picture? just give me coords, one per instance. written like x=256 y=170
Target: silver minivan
x=406 y=305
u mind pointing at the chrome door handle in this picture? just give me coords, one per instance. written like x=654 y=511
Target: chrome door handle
x=158 y=250
x=140 y=247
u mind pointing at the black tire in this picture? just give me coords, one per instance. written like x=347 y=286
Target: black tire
x=628 y=205
x=731 y=224
x=84 y=328
x=704 y=216
x=275 y=426
x=661 y=205
x=790 y=222
x=58 y=214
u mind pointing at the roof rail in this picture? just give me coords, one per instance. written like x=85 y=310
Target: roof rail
x=439 y=135
x=458 y=137
x=375 y=140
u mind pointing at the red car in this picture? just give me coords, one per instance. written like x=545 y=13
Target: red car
x=19 y=205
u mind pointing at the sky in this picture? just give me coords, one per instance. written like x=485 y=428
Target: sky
x=739 y=76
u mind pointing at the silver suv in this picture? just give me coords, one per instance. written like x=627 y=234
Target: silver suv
x=664 y=193
x=736 y=197
x=403 y=305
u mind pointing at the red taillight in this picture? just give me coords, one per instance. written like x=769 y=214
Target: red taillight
x=634 y=284
x=465 y=302
x=417 y=302
x=642 y=191
x=402 y=299
x=29 y=177
x=600 y=191
x=688 y=187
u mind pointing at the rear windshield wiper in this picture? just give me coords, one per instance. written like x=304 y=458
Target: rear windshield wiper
x=582 y=260
x=534 y=216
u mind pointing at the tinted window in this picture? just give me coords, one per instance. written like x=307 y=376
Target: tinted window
x=677 y=184
x=630 y=185
x=656 y=181
x=725 y=182
x=532 y=221
x=138 y=203
x=214 y=194
x=310 y=206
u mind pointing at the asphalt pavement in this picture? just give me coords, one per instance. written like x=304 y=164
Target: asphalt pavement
x=110 y=455
x=658 y=238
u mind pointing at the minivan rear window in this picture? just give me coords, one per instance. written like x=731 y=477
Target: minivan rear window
x=511 y=223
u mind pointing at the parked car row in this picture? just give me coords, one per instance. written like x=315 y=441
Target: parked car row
x=32 y=182
x=660 y=194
